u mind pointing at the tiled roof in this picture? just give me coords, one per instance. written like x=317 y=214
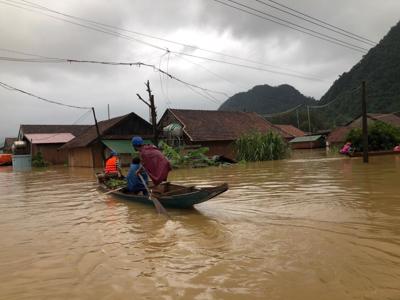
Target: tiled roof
x=91 y=134
x=290 y=129
x=212 y=125
x=391 y=119
x=73 y=129
x=338 y=135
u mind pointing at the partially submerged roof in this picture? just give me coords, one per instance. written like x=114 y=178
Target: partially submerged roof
x=308 y=138
x=213 y=125
x=391 y=119
x=49 y=138
x=338 y=135
x=290 y=129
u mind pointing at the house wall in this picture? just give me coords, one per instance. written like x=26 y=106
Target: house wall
x=51 y=153
x=80 y=157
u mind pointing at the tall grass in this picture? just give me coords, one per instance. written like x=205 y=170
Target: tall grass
x=259 y=146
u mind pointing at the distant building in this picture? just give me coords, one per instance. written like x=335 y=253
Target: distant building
x=216 y=130
x=7 y=144
x=337 y=137
x=87 y=150
x=290 y=130
x=47 y=139
x=308 y=142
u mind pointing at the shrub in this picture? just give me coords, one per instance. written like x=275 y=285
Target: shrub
x=381 y=136
x=192 y=158
x=38 y=161
x=259 y=146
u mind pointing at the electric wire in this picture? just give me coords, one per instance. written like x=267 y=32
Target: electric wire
x=116 y=34
x=311 y=33
x=11 y=88
x=37 y=6
x=138 y=64
x=329 y=27
x=319 y=20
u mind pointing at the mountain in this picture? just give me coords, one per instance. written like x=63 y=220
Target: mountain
x=265 y=99
x=380 y=68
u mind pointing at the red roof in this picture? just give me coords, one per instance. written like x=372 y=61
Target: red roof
x=338 y=135
x=213 y=125
x=391 y=119
x=290 y=129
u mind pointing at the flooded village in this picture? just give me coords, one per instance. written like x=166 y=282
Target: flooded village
x=132 y=174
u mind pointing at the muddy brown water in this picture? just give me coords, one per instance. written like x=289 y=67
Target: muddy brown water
x=304 y=228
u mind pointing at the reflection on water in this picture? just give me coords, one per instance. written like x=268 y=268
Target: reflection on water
x=315 y=228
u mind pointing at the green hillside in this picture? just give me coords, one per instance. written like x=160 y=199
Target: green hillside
x=265 y=99
x=380 y=68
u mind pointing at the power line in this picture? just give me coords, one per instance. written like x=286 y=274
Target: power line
x=11 y=88
x=319 y=20
x=138 y=64
x=302 y=29
x=31 y=4
x=328 y=27
x=116 y=34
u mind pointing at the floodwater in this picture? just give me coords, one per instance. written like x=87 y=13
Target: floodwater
x=315 y=228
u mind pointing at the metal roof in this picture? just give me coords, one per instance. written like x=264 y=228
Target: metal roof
x=49 y=138
x=309 y=138
x=121 y=146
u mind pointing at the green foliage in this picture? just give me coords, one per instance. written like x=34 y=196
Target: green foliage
x=381 y=136
x=259 y=146
x=114 y=183
x=38 y=161
x=192 y=158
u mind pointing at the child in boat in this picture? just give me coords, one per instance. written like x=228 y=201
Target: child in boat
x=346 y=149
x=135 y=185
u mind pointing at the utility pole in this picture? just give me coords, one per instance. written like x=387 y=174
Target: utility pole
x=364 y=123
x=108 y=111
x=153 y=112
x=98 y=137
x=309 y=122
x=297 y=115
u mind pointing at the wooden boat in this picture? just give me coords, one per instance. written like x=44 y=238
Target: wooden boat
x=172 y=195
x=373 y=153
x=5 y=159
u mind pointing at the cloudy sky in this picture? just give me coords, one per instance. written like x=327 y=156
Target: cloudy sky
x=270 y=53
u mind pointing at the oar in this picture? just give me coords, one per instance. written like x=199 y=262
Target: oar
x=112 y=191
x=160 y=209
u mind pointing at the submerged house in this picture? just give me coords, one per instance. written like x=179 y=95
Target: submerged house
x=47 y=139
x=337 y=137
x=290 y=130
x=308 y=142
x=216 y=130
x=8 y=142
x=88 y=150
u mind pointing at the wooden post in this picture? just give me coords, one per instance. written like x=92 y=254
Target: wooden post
x=364 y=123
x=153 y=112
x=98 y=138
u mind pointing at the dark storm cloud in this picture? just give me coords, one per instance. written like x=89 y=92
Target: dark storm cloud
x=203 y=23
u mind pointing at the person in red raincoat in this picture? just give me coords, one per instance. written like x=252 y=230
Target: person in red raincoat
x=153 y=161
